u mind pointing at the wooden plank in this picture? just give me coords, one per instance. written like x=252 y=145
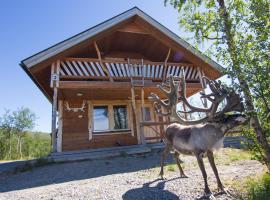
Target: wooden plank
x=66 y=68
x=101 y=63
x=118 y=60
x=123 y=69
x=109 y=68
x=160 y=71
x=115 y=72
x=100 y=68
x=136 y=119
x=157 y=71
x=83 y=68
x=90 y=121
x=152 y=138
x=166 y=64
x=94 y=68
x=54 y=115
x=190 y=72
x=143 y=115
x=77 y=68
x=154 y=123
x=52 y=73
x=57 y=72
x=60 y=126
x=71 y=69
x=194 y=73
x=127 y=70
x=177 y=71
x=107 y=84
x=62 y=73
x=89 y=68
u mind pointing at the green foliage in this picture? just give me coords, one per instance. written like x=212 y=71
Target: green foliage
x=237 y=33
x=255 y=188
x=16 y=140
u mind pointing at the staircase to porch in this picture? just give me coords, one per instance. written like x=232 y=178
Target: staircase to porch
x=102 y=153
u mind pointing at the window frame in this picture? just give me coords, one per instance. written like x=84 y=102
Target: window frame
x=111 y=118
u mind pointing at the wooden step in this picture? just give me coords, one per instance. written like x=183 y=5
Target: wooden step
x=98 y=153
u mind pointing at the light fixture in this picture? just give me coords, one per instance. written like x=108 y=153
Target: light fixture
x=79 y=94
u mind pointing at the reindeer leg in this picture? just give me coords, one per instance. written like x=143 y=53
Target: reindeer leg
x=207 y=191
x=176 y=157
x=166 y=151
x=214 y=168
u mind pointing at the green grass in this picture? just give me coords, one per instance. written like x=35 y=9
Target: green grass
x=34 y=145
x=225 y=156
x=253 y=188
x=171 y=167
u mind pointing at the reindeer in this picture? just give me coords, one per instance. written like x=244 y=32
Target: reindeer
x=198 y=137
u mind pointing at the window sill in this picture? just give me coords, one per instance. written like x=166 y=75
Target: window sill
x=112 y=132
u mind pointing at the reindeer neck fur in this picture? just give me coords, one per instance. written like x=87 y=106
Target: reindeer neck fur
x=201 y=137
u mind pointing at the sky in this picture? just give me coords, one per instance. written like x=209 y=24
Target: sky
x=30 y=26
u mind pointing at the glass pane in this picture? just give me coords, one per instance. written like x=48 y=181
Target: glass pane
x=101 y=119
x=120 y=117
x=147 y=116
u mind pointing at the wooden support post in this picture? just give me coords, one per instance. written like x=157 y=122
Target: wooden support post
x=137 y=122
x=165 y=65
x=60 y=126
x=143 y=117
x=55 y=68
x=203 y=85
x=54 y=115
x=101 y=63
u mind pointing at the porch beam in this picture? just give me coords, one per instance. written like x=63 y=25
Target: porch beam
x=101 y=63
x=166 y=64
x=113 y=85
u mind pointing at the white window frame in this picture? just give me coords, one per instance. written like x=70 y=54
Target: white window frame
x=111 y=118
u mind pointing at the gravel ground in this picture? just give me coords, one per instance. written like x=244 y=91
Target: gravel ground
x=128 y=178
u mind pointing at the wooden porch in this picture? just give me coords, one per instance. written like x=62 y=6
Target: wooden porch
x=118 y=79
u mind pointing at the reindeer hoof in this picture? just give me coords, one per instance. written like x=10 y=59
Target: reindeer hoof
x=161 y=176
x=209 y=196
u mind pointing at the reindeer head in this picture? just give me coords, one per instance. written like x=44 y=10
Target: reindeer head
x=175 y=92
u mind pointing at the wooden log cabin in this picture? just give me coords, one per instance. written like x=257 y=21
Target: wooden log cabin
x=98 y=81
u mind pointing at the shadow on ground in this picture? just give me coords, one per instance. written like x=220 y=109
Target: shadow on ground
x=149 y=192
x=65 y=172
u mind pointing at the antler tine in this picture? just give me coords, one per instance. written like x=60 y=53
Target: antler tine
x=158 y=110
x=156 y=99
x=182 y=87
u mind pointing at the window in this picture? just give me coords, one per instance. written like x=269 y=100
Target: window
x=101 y=119
x=120 y=117
x=147 y=114
x=108 y=118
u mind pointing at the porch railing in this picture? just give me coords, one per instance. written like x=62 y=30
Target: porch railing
x=88 y=68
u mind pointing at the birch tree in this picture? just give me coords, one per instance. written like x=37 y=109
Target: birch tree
x=238 y=34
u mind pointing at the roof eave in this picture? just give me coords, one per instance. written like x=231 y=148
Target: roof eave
x=24 y=67
x=68 y=43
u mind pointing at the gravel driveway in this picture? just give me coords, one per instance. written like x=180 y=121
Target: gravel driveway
x=127 y=178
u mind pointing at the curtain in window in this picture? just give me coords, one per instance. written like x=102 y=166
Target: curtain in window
x=101 y=118
x=120 y=117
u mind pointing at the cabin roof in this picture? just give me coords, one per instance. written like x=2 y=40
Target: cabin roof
x=72 y=41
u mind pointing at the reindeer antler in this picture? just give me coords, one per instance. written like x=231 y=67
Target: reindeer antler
x=176 y=92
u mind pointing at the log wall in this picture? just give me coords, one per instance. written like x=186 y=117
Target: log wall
x=76 y=135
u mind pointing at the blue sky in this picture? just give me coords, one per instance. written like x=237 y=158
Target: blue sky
x=30 y=26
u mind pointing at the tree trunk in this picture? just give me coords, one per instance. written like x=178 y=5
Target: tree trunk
x=261 y=136
x=10 y=146
x=20 y=147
